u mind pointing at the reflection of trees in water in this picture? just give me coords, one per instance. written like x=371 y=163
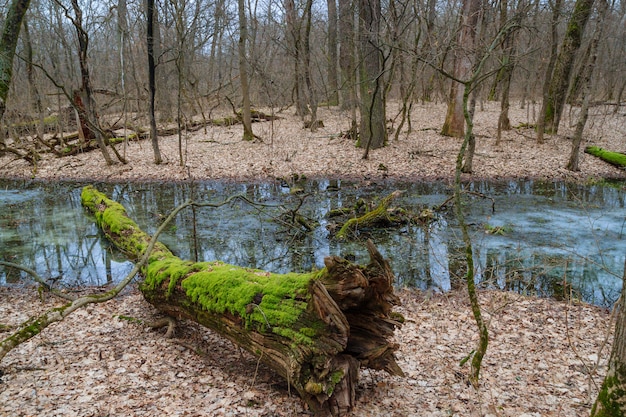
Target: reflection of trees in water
x=560 y=276
x=49 y=232
x=55 y=242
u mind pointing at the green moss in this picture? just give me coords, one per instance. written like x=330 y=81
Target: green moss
x=111 y=217
x=610 y=401
x=336 y=376
x=266 y=302
x=298 y=337
x=307 y=331
x=171 y=268
x=613 y=158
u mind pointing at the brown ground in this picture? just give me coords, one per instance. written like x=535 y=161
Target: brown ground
x=287 y=148
x=545 y=357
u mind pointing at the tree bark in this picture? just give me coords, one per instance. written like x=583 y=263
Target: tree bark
x=306 y=41
x=563 y=67
x=611 y=399
x=333 y=82
x=586 y=79
x=151 y=15
x=243 y=72
x=347 y=62
x=8 y=43
x=314 y=329
x=88 y=113
x=454 y=124
x=373 y=129
x=554 y=46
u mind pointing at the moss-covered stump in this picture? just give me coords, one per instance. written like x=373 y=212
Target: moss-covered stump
x=614 y=158
x=314 y=329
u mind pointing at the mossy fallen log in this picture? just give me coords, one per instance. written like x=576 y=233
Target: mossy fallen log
x=314 y=329
x=377 y=216
x=614 y=158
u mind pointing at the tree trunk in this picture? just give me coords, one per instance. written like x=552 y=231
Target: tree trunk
x=33 y=89
x=586 y=79
x=611 y=399
x=333 y=82
x=554 y=46
x=314 y=329
x=563 y=67
x=151 y=17
x=89 y=114
x=243 y=72
x=373 y=129
x=312 y=97
x=294 y=36
x=8 y=43
x=454 y=124
x=347 y=60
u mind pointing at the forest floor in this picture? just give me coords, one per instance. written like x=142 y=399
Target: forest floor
x=545 y=358
x=286 y=148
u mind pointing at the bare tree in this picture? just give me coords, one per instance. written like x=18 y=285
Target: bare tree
x=347 y=61
x=454 y=124
x=151 y=17
x=294 y=46
x=243 y=72
x=333 y=82
x=556 y=6
x=87 y=110
x=560 y=80
x=586 y=80
x=8 y=43
x=373 y=129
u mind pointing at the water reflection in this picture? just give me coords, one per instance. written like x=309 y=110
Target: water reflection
x=557 y=239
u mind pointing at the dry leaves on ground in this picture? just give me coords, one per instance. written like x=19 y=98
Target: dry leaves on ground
x=219 y=152
x=542 y=361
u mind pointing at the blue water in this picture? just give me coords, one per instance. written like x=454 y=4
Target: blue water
x=557 y=239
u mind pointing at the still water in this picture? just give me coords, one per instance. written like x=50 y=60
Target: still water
x=540 y=238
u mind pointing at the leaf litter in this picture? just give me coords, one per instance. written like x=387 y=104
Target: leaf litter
x=544 y=359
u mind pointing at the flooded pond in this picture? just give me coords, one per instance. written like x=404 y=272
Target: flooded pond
x=544 y=238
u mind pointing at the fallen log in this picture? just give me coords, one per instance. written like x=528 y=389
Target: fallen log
x=377 y=216
x=614 y=158
x=314 y=329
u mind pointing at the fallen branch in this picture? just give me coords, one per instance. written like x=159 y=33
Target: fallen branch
x=614 y=158
x=314 y=329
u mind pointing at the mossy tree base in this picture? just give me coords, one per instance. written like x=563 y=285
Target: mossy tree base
x=314 y=329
